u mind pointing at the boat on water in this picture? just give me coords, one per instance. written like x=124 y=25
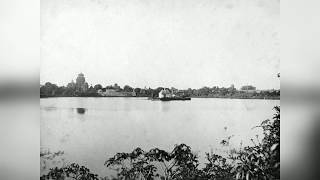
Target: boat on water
x=169 y=98
x=166 y=95
x=175 y=98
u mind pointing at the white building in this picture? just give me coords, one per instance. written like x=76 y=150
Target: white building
x=161 y=94
x=165 y=93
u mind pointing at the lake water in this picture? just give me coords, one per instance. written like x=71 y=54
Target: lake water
x=91 y=130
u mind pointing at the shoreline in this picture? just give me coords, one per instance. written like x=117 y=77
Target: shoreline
x=266 y=98
x=261 y=98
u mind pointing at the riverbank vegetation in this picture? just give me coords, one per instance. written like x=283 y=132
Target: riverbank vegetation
x=52 y=90
x=261 y=160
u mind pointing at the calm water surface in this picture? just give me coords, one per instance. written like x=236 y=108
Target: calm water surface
x=90 y=130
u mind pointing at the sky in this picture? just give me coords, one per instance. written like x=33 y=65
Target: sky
x=167 y=43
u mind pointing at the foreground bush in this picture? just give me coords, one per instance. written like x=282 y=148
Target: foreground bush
x=261 y=161
x=72 y=172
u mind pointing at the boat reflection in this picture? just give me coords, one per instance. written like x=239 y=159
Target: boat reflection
x=81 y=110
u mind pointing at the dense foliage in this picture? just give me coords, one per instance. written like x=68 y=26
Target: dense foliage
x=259 y=161
x=181 y=163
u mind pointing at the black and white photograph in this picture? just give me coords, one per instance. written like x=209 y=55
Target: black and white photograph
x=159 y=89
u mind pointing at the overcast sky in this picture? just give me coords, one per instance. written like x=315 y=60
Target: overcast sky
x=180 y=43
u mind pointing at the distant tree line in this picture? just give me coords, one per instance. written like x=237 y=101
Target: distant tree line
x=223 y=92
x=260 y=161
x=52 y=90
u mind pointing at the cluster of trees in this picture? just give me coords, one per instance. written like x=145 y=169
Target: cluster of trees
x=52 y=90
x=258 y=161
x=222 y=92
